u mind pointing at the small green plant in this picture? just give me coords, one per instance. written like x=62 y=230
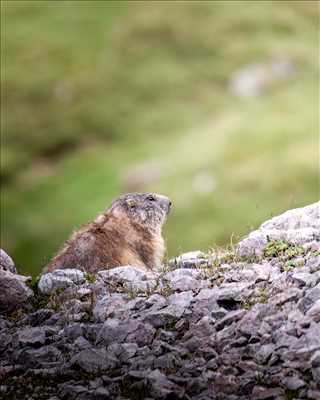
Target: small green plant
x=275 y=248
x=170 y=325
x=34 y=284
x=247 y=304
x=40 y=300
x=290 y=394
x=166 y=291
x=285 y=251
x=289 y=265
x=132 y=293
x=55 y=301
x=282 y=249
x=91 y=278
x=262 y=298
x=16 y=315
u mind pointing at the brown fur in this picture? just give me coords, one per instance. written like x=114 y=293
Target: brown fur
x=117 y=237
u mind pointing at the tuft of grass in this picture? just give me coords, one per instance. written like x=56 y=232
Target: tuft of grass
x=218 y=255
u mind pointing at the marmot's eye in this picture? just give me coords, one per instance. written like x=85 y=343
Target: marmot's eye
x=151 y=198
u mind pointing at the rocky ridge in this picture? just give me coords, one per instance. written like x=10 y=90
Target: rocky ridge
x=234 y=324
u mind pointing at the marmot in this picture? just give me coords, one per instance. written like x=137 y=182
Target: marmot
x=127 y=233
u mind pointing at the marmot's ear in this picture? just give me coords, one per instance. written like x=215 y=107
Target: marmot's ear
x=131 y=202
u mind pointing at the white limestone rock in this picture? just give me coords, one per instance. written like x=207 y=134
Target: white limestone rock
x=60 y=279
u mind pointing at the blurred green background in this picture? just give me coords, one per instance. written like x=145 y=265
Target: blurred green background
x=101 y=98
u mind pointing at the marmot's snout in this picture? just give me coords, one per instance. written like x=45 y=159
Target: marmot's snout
x=164 y=201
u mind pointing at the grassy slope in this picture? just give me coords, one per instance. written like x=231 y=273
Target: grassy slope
x=91 y=91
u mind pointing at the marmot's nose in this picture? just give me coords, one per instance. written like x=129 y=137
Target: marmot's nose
x=169 y=204
x=165 y=202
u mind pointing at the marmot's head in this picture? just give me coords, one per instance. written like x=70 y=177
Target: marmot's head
x=149 y=209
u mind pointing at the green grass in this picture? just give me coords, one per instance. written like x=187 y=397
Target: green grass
x=91 y=90
x=287 y=253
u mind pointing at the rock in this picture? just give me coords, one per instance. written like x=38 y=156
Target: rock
x=38 y=317
x=178 y=303
x=262 y=271
x=314 y=311
x=309 y=299
x=298 y=226
x=235 y=292
x=192 y=259
x=250 y=324
x=74 y=310
x=313 y=263
x=305 y=346
x=167 y=361
x=231 y=317
x=60 y=279
x=207 y=294
x=261 y=393
x=161 y=386
x=305 y=279
x=6 y=262
x=143 y=335
x=258 y=240
x=228 y=382
x=101 y=394
x=123 y=351
x=31 y=336
x=109 y=306
x=182 y=273
x=291 y=294
x=298 y=218
x=115 y=331
x=293 y=383
x=124 y=274
x=43 y=357
x=184 y=284
x=155 y=302
x=313 y=394
x=4 y=323
x=205 y=303
x=14 y=292
x=94 y=360
x=82 y=343
x=72 y=390
x=315 y=364
x=131 y=278
x=264 y=352
x=240 y=275
x=238 y=330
